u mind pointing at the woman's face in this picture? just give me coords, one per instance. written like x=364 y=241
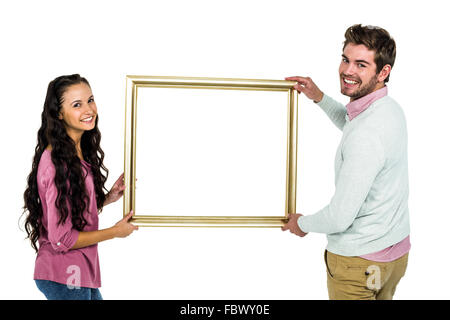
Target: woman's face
x=79 y=110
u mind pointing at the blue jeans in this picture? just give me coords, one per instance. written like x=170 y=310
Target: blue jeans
x=57 y=291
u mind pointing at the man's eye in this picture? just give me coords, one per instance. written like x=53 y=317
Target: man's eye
x=91 y=100
x=361 y=65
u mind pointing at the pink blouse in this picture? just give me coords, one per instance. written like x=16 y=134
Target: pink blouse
x=55 y=260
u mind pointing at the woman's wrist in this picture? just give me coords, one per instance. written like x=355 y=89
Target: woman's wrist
x=114 y=231
x=107 y=200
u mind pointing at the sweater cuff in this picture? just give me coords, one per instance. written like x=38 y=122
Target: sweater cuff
x=325 y=100
x=301 y=224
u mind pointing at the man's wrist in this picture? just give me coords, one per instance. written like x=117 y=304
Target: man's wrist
x=319 y=98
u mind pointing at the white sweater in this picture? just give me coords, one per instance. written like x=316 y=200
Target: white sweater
x=369 y=210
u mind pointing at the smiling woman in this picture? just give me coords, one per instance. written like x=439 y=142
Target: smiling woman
x=66 y=191
x=78 y=112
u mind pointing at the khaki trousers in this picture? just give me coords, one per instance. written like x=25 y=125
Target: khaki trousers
x=354 y=278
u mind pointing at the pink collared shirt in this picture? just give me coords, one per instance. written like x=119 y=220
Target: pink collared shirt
x=357 y=106
x=55 y=260
x=399 y=249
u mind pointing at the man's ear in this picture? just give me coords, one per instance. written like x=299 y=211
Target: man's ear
x=384 y=73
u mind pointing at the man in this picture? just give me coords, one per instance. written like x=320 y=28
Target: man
x=367 y=219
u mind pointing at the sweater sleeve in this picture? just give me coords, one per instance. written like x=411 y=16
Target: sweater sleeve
x=363 y=158
x=61 y=236
x=335 y=111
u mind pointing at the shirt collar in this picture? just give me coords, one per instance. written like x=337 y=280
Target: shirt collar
x=357 y=106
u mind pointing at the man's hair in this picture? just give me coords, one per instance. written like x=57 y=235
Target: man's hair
x=374 y=38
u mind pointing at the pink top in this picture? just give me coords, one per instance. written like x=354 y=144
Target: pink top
x=391 y=253
x=55 y=261
x=399 y=249
x=357 y=106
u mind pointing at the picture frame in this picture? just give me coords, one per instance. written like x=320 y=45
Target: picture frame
x=140 y=92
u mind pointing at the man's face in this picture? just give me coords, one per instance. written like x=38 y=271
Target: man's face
x=357 y=71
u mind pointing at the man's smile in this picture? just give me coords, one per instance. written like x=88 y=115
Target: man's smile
x=349 y=82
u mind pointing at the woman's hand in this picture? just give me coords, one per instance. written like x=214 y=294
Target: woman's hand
x=123 y=228
x=116 y=191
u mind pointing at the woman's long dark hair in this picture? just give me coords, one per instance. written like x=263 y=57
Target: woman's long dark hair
x=67 y=164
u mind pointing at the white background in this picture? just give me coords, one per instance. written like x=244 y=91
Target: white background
x=106 y=40
x=216 y=152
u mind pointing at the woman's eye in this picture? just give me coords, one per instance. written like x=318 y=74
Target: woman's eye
x=91 y=100
x=76 y=105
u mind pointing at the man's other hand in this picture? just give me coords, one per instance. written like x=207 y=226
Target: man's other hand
x=292 y=225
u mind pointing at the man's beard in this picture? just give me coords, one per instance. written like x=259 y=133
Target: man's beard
x=364 y=90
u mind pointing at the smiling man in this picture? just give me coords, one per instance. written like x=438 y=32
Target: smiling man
x=367 y=219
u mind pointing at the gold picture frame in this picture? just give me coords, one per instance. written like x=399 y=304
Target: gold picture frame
x=136 y=83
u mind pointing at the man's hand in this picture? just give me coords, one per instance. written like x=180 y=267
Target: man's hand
x=308 y=87
x=292 y=225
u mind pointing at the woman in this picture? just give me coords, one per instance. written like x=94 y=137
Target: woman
x=66 y=192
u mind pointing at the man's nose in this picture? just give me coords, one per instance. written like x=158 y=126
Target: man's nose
x=349 y=69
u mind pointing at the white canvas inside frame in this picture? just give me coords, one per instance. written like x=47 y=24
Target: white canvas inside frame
x=211 y=152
